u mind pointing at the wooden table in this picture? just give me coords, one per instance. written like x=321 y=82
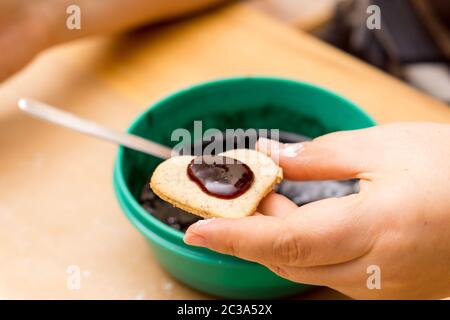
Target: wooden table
x=57 y=206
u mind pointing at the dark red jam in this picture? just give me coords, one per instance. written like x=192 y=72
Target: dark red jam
x=220 y=177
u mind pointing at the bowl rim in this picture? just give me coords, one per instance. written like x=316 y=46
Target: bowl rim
x=191 y=254
x=119 y=180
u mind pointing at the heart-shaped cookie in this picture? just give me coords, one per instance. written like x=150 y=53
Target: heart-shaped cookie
x=171 y=182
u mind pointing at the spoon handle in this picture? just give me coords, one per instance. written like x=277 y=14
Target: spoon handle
x=54 y=115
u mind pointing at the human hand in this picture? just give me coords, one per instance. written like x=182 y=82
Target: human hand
x=398 y=221
x=28 y=27
x=24 y=32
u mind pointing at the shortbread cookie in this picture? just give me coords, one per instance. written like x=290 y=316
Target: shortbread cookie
x=170 y=181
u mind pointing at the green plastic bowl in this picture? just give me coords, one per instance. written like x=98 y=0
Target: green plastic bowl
x=268 y=103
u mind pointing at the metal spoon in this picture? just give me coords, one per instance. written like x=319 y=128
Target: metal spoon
x=54 y=115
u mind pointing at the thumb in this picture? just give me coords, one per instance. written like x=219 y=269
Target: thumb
x=232 y=236
x=325 y=232
x=340 y=155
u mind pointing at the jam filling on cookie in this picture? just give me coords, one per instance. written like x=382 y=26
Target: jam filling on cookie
x=220 y=177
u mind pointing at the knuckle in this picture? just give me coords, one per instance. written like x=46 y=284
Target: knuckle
x=231 y=247
x=287 y=248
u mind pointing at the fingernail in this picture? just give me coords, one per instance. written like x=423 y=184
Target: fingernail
x=275 y=149
x=291 y=150
x=201 y=223
x=269 y=147
x=194 y=239
x=193 y=234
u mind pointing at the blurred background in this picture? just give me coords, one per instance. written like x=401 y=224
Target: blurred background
x=413 y=43
x=58 y=209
